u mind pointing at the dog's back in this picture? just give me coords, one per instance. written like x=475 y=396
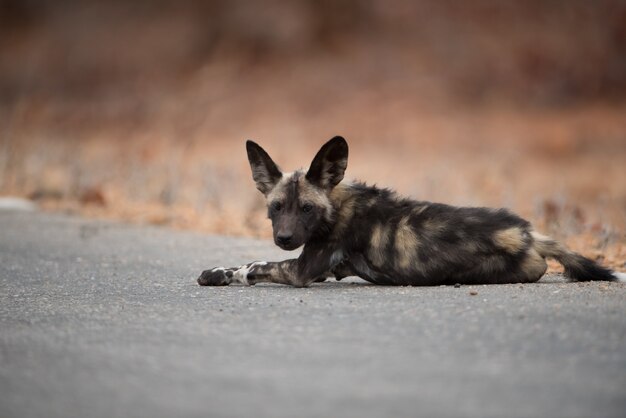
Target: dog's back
x=401 y=241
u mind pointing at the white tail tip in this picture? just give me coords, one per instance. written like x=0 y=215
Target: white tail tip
x=621 y=277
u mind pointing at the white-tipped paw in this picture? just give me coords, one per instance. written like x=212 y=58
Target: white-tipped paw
x=215 y=277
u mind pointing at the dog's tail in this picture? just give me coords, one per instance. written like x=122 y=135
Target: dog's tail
x=576 y=266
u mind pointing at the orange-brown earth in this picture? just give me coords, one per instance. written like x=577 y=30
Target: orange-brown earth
x=562 y=170
x=513 y=104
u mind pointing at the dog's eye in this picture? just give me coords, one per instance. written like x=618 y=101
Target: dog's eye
x=277 y=206
x=307 y=207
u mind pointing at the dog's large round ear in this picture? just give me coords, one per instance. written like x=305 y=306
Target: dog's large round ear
x=264 y=171
x=330 y=163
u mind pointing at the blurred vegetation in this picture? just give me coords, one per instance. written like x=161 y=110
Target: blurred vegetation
x=138 y=109
x=538 y=52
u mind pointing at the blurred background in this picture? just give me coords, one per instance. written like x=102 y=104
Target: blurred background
x=138 y=110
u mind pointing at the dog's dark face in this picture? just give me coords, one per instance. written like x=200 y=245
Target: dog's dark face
x=298 y=203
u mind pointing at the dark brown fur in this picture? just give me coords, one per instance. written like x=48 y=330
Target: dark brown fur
x=352 y=229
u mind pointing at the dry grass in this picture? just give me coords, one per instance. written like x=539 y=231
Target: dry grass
x=470 y=109
x=562 y=170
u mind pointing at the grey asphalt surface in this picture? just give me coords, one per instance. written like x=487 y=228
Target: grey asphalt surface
x=99 y=319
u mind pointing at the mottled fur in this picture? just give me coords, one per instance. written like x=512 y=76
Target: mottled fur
x=352 y=229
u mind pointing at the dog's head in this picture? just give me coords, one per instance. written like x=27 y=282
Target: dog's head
x=298 y=203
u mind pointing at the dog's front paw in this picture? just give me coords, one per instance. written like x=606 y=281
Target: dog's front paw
x=215 y=277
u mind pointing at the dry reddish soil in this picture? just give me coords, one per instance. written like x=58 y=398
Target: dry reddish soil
x=512 y=104
x=562 y=170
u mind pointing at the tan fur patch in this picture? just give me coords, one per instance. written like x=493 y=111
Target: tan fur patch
x=278 y=192
x=511 y=240
x=433 y=226
x=539 y=237
x=378 y=243
x=314 y=195
x=339 y=194
x=343 y=216
x=371 y=202
x=547 y=247
x=533 y=266
x=418 y=209
x=406 y=243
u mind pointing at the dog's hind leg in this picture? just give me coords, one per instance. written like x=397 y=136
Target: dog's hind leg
x=532 y=267
x=498 y=269
x=343 y=270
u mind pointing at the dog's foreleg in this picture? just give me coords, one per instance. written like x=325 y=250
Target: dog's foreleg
x=282 y=272
x=313 y=264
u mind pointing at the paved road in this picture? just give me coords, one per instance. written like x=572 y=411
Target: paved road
x=105 y=320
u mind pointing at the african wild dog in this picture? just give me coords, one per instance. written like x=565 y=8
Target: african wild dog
x=352 y=229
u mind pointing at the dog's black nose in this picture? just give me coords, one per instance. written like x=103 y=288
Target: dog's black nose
x=283 y=239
